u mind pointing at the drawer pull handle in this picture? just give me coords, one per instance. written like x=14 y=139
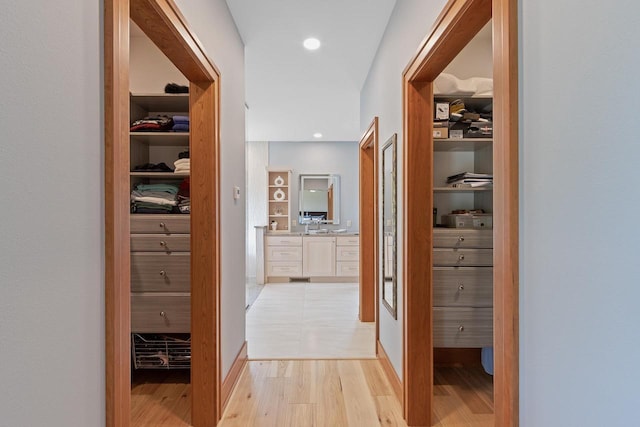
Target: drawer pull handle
x=461 y=239
x=162 y=225
x=461 y=258
x=163 y=243
x=163 y=314
x=163 y=273
x=461 y=287
x=461 y=328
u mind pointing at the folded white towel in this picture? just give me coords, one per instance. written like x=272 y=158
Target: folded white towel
x=180 y=162
x=156 y=200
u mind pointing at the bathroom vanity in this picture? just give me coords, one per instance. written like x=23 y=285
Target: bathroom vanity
x=328 y=257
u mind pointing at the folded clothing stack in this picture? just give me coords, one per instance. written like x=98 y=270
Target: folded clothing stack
x=184 y=198
x=152 y=167
x=181 y=123
x=182 y=166
x=154 y=198
x=158 y=123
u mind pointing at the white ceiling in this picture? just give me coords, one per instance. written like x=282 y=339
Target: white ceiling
x=293 y=93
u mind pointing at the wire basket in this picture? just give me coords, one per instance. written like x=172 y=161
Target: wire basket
x=152 y=351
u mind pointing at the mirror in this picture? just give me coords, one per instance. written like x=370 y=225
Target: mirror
x=389 y=234
x=319 y=199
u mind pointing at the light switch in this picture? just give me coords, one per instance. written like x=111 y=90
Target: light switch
x=236 y=193
x=348 y=223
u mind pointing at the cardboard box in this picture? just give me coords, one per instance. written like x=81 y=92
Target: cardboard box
x=441 y=130
x=468 y=220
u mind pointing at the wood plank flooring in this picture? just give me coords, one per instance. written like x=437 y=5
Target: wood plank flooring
x=315 y=393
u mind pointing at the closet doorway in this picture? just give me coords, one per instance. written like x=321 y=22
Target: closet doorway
x=163 y=23
x=459 y=21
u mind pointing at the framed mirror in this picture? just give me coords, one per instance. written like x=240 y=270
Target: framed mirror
x=389 y=231
x=319 y=199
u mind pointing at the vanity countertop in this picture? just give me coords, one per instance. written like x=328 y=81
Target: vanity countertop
x=302 y=233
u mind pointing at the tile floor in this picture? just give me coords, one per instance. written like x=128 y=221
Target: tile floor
x=308 y=321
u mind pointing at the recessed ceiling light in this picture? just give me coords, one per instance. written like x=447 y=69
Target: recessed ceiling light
x=311 y=43
x=317 y=135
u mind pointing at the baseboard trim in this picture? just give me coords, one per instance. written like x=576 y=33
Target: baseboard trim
x=387 y=367
x=233 y=375
x=456 y=356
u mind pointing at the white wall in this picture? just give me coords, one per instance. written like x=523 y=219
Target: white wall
x=149 y=69
x=324 y=157
x=476 y=58
x=257 y=162
x=382 y=96
x=51 y=258
x=212 y=22
x=579 y=274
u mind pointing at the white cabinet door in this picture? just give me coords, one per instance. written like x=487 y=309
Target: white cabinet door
x=319 y=256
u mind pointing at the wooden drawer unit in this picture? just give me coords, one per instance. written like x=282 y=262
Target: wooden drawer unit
x=160 y=313
x=347 y=253
x=160 y=272
x=160 y=224
x=347 y=268
x=462 y=327
x=284 y=240
x=284 y=269
x=348 y=240
x=284 y=253
x=462 y=238
x=463 y=286
x=160 y=243
x=462 y=257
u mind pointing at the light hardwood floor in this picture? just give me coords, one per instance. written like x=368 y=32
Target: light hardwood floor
x=308 y=321
x=318 y=393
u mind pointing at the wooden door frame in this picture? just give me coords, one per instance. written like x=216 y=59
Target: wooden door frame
x=368 y=171
x=163 y=23
x=458 y=23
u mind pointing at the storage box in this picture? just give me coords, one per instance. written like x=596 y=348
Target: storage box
x=480 y=130
x=440 y=130
x=468 y=220
x=442 y=111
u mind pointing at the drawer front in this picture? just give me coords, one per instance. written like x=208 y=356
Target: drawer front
x=348 y=268
x=462 y=238
x=160 y=272
x=347 y=253
x=284 y=253
x=463 y=286
x=284 y=269
x=284 y=240
x=160 y=243
x=160 y=314
x=164 y=224
x=462 y=257
x=462 y=327
x=348 y=240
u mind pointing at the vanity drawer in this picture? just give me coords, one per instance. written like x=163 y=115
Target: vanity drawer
x=284 y=253
x=284 y=269
x=348 y=240
x=160 y=313
x=284 y=240
x=462 y=238
x=462 y=257
x=463 y=286
x=160 y=243
x=160 y=272
x=348 y=268
x=164 y=224
x=347 y=253
x=462 y=327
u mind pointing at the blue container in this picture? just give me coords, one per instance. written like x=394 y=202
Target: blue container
x=486 y=356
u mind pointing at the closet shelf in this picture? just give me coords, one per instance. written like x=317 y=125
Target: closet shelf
x=161 y=138
x=460 y=190
x=163 y=175
x=162 y=101
x=279 y=201
x=461 y=144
